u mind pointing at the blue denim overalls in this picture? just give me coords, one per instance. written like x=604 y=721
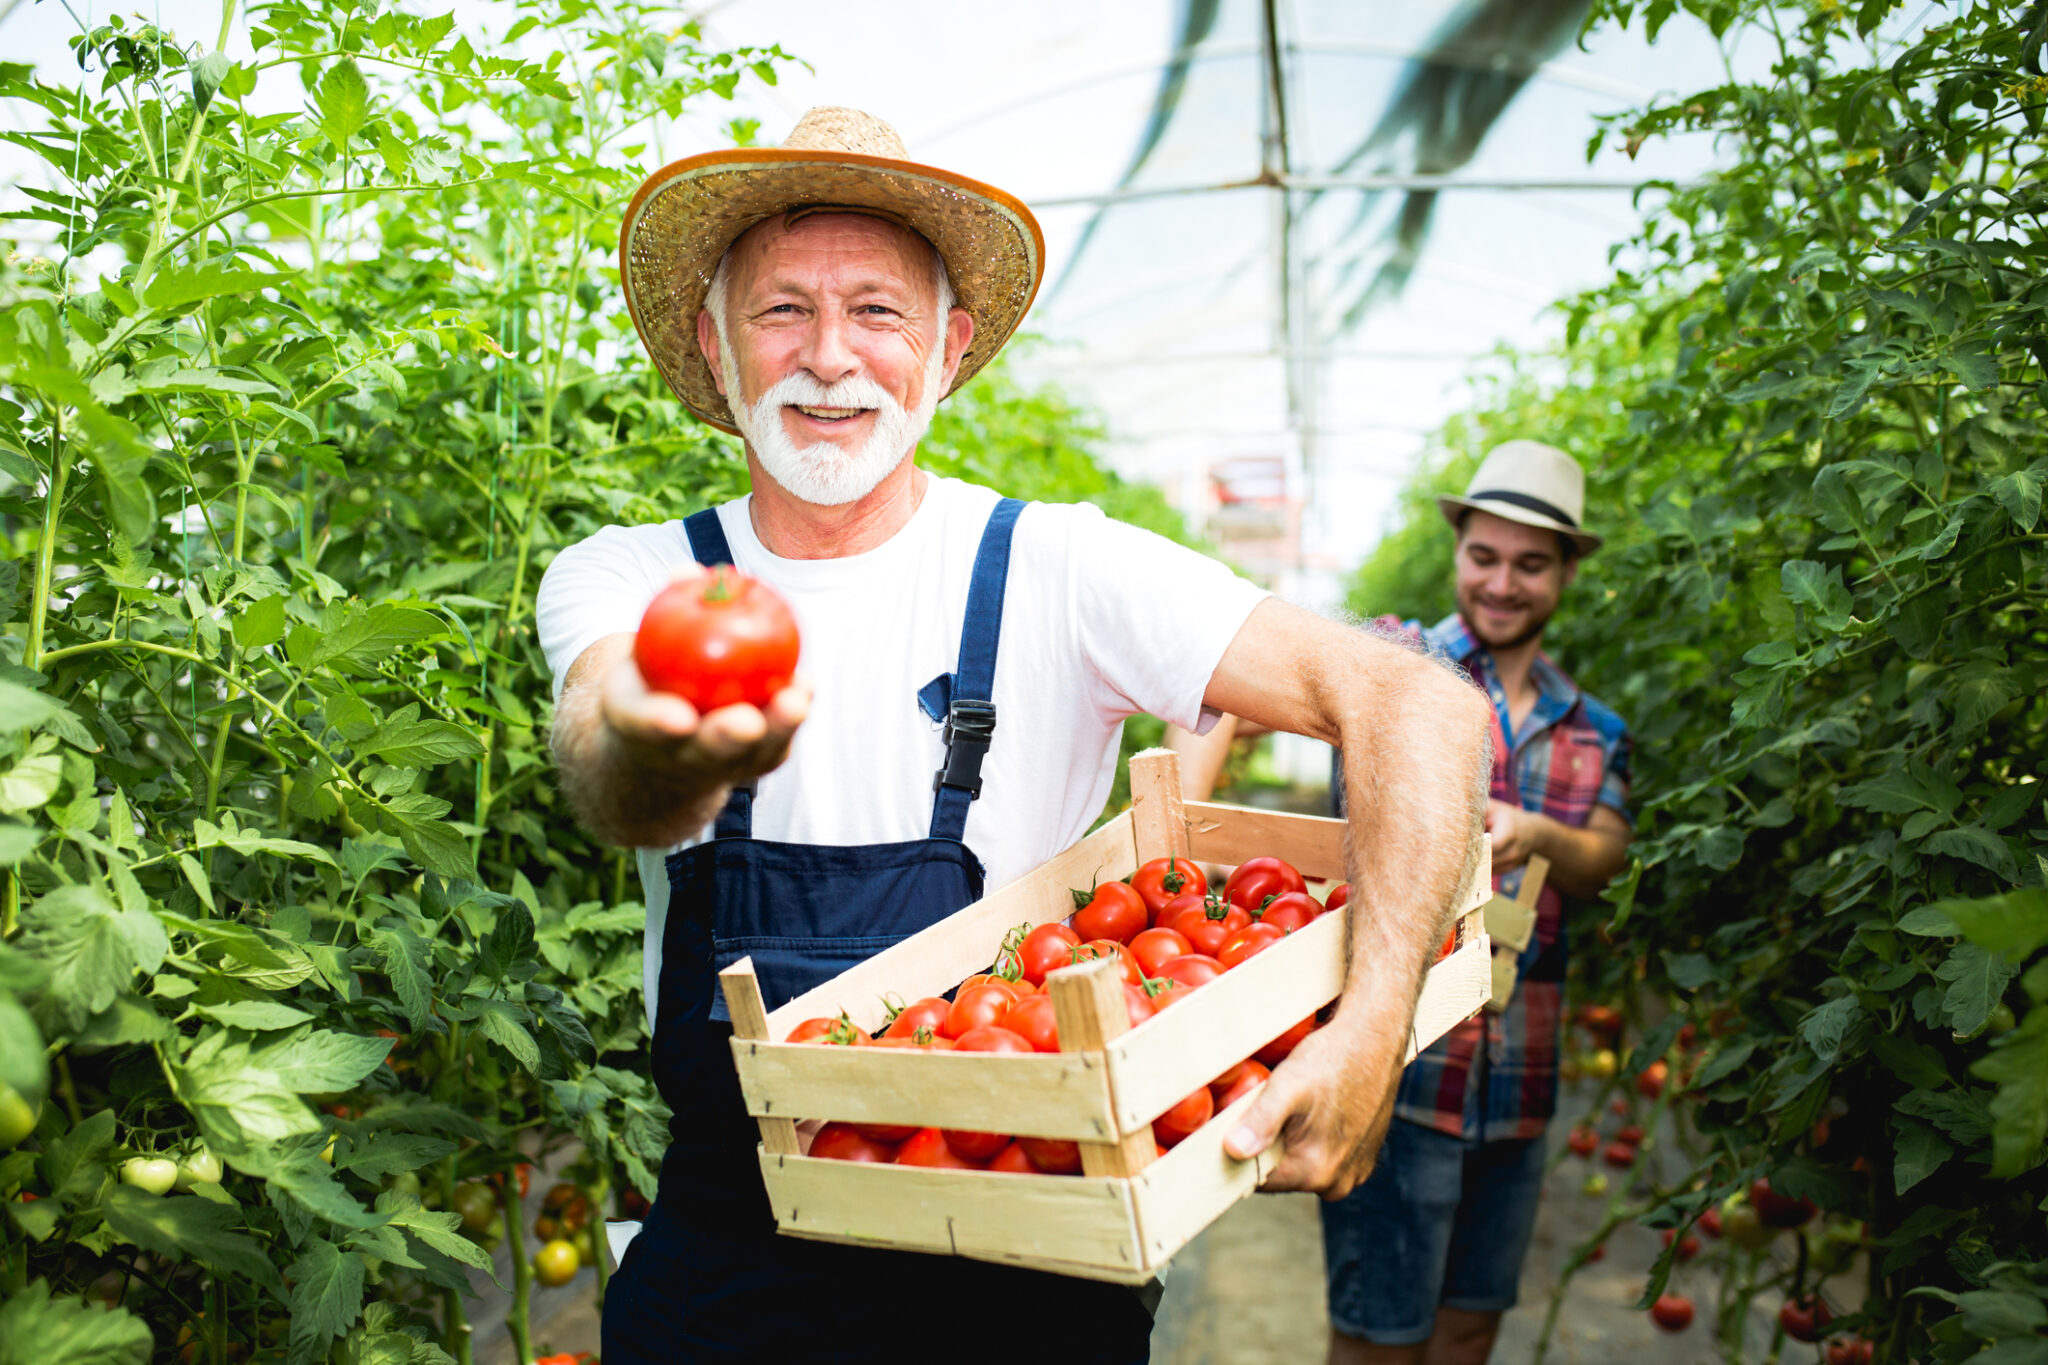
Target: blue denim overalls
x=708 y=1278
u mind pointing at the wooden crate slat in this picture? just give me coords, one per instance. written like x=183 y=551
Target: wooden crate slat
x=1188 y=1189
x=1453 y=993
x=1193 y=1041
x=1158 y=812
x=1053 y=1094
x=1312 y=844
x=986 y=1214
x=743 y=1001
x=939 y=958
x=1089 y=1011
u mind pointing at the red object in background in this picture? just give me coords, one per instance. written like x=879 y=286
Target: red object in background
x=1672 y=1312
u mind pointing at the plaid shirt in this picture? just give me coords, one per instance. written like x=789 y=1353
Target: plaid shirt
x=1571 y=755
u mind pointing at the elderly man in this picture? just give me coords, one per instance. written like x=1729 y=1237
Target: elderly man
x=1425 y=1256
x=821 y=298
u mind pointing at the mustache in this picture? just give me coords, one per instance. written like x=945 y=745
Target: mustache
x=804 y=389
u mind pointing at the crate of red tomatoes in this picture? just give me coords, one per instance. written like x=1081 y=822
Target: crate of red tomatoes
x=1046 y=1078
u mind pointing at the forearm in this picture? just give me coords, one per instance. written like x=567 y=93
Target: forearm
x=1582 y=861
x=618 y=798
x=1417 y=756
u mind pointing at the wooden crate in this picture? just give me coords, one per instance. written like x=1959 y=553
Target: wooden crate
x=1130 y=1210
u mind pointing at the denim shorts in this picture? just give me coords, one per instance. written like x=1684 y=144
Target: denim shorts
x=1441 y=1220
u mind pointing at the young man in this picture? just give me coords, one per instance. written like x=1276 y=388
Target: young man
x=1424 y=1256
x=821 y=298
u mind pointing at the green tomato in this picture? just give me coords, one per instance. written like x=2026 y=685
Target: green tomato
x=155 y=1174
x=200 y=1168
x=477 y=1205
x=407 y=1182
x=1595 y=1186
x=2002 y=1020
x=1740 y=1225
x=17 y=1118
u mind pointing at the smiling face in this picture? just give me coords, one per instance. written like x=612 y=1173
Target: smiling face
x=834 y=347
x=1510 y=577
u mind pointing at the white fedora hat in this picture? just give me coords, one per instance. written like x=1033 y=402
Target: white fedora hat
x=1529 y=482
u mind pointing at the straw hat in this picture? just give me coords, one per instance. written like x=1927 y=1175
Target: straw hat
x=687 y=213
x=1529 y=482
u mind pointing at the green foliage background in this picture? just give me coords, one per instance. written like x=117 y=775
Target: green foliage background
x=287 y=437
x=1811 y=406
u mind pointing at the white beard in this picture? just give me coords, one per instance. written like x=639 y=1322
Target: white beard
x=823 y=474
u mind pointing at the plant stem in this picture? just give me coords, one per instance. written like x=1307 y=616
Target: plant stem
x=46 y=547
x=517 y=1322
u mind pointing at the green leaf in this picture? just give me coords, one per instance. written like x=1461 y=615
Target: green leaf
x=184 y=1226
x=405 y=960
x=73 y=1165
x=91 y=947
x=1980 y=691
x=388 y=1153
x=2015 y=924
x=175 y=288
x=207 y=74
x=1824 y=1027
x=509 y=946
x=1919 y=1153
x=367 y=636
x=1977 y=978
x=2018 y=1065
x=1974 y=843
x=404 y=740
x=327 y=1297
x=2020 y=495
x=502 y=1024
x=36 y=1329
x=23 y=1066
x=260 y=623
x=441 y=1232
x=1901 y=790
x=256 y=1015
x=343 y=99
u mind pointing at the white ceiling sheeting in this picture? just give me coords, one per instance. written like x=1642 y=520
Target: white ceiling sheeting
x=1170 y=319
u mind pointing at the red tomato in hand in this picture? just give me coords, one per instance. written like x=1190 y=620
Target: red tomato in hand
x=1258 y=880
x=1032 y=1020
x=1179 y=1123
x=1234 y=1084
x=1046 y=949
x=1164 y=879
x=928 y=1013
x=1052 y=1156
x=1156 y=947
x=1115 y=912
x=1247 y=942
x=719 y=640
x=975 y=1006
x=1340 y=895
x=840 y=1142
x=839 y=1032
x=927 y=1147
x=1275 y=1052
x=1208 y=925
x=1289 y=911
x=1014 y=1160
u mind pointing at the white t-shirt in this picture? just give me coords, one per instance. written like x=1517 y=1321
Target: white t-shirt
x=1100 y=621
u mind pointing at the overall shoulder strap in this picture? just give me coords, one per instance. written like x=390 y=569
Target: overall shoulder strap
x=971 y=712
x=707 y=537
x=708 y=544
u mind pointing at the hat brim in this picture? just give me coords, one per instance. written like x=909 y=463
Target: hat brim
x=686 y=214
x=1507 y=511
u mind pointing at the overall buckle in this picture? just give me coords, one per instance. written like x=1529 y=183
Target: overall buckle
x=970 y=727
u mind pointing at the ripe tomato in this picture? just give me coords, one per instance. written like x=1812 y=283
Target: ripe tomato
x=1601 y=1019
x=1208 y=925
x=556 y=1263
x=1620 y=1155
x=1163 y=879
x=1164 y=991
x=1046 y=949
x=1127 y=965
x=719 y=640
x=1290 y=911
x=1052 y=1156
x=1631 y=1133
x=1193 y=970
x=1156 y=947
x=1710 y=1222
x=924 y=1040
x=1850 y=1350
x=1258 y=880
x=1179 y=1123
x=975 y=1006
x=1139 y=1002
x=1339 y=897
x=1688 y=1247
x=838 y=1032
x=1672 y=1312
x=1017 y=986
x=1775 y=1210
x=1114 y=912
x=1805 y=1318
x=1031 y=1019
x=993 y=1038
x=842 y=1142
x=927 y=1013
x=1583 y=1141
x=1012 y=1159
x=1650 y=1081
x=1234 y=1084
x=979 y=1148
x=1449 y=945
x=1249 y=942
x=1275 y=1052
x=927 y=1147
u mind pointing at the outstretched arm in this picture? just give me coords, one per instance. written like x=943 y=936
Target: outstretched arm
x=1417 y=748
x=642 y=769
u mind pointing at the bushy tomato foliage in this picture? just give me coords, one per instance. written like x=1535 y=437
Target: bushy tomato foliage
x=1811 y=403
x=327 y=366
